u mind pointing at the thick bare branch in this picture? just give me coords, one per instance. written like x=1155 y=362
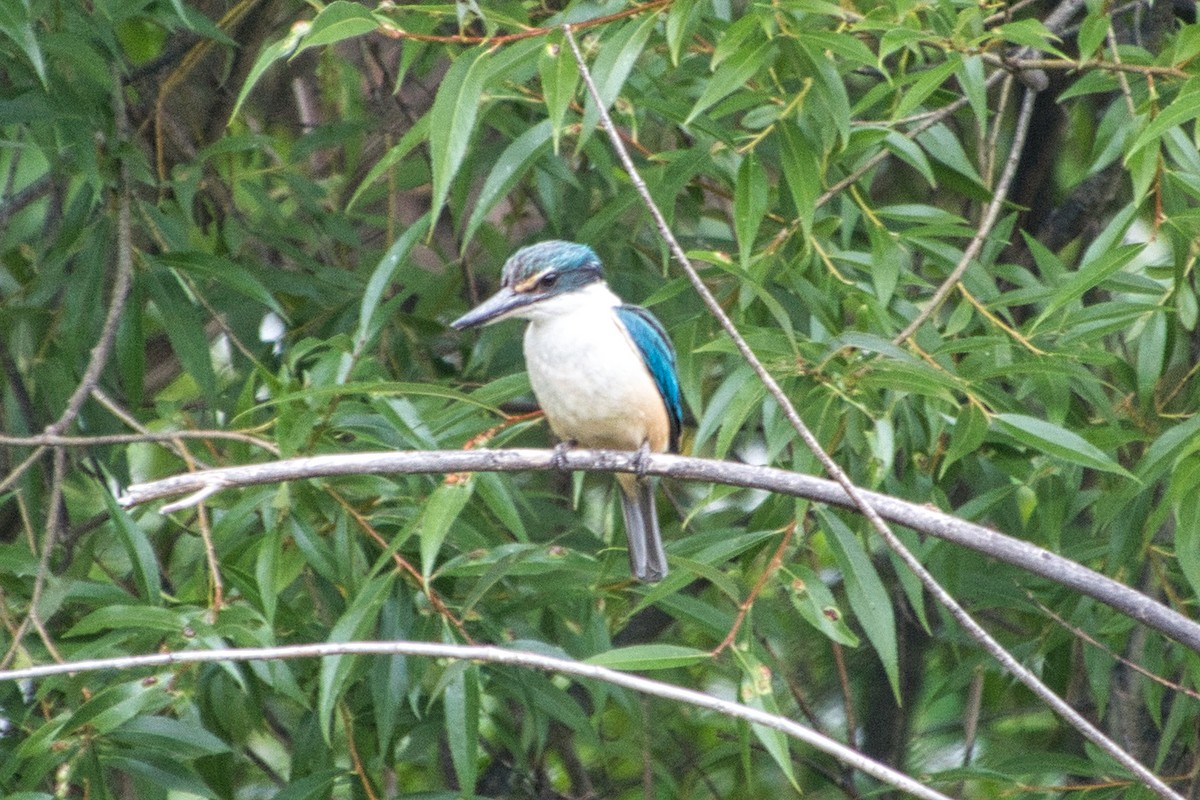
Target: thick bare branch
x=921 y=518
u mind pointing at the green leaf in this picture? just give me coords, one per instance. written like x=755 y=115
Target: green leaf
x=355 y=623
x=137 y=546
x=612 y=67
x=682 y=16
x=124 y=617
x=801 y=170
x=749 y=204
x=1089 y=275
x=316 y=786
x=516 y=160
x=227 y=273
x=1056 y=441
x=910 y=153
x=184 y=327
x=816 y=604
x=1151 y=356
x=943 y=146
x=18 y=26
x=731 y=75
x=438 y=514
x=417 y=133
x=926 y=84
x=757 y=692
x=273 y=52
x=336 y=22
x=644 y=657
x=971 y=76
x=869 y=598
x=560 y=78
x=116 y=705
x=461 y=704
x=381 y=279
x=1030 y=32
x=1092 y=33
x=1174 y=443
x=1185 y=487
x=183 y=740
x=1184 y=108
x=452 y=121
x=969 y=431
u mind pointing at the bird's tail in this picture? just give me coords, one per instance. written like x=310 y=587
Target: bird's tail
x=647 y=560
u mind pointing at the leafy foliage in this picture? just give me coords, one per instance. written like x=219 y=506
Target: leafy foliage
x=314 y=194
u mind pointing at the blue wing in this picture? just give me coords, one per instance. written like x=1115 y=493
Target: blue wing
x=651 y=339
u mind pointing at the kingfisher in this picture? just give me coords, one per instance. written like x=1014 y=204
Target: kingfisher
x=602 y=371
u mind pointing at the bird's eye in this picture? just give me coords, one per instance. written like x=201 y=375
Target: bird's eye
x=548 y=280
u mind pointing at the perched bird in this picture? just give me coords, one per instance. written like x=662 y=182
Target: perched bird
x=603 y=372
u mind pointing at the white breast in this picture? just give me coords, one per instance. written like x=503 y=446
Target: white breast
x=588 y=375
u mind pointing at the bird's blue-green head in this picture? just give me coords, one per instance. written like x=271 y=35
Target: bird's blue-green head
x=533 y=275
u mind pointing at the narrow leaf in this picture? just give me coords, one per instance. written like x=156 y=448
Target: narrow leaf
x=1184 y=108
x=640 y=657
x=802 y=172
x=452 y=121
x=969 y=430
x=513 y=164
x=461 y=704
x=337 y=21
x=137 y=546
x=439 y=513
x=1089 y=275
x=817 y=605
x=270 y=54
x=867 y=594
x=749 y=204
x=560 y=79
x=354 y=624
x=732 y=75
x=612 y=67
x=757 y=692
x=381 y=279
x=1057 y=441
x=416 y=134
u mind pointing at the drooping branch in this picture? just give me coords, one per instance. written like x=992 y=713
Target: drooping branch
x=921 y=518
x=1007 y=660
x=519 y=658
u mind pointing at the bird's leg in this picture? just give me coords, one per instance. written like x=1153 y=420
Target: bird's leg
x=639 y=460
x=559 y=459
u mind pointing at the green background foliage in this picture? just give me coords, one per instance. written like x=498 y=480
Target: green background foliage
x=314 y=191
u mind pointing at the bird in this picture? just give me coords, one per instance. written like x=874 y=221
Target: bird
x=602 y=371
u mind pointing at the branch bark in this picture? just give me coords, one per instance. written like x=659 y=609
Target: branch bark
x=498 y=655
x=921 y=518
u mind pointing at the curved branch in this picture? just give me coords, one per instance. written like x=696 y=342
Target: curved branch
x=921 y=518
x=518 y=658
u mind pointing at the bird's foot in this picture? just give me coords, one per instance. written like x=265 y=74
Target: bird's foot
x=559 y=459
x=640 y=460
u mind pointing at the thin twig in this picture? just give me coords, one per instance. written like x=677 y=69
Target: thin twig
x=15 y=474
x=1094 y=642
x=158 y=437
x=990 y=215
x=116 y=306
x=518 y=658
x=744 y=607
x=947 y=601
x=404 y=565
x=393 y=31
